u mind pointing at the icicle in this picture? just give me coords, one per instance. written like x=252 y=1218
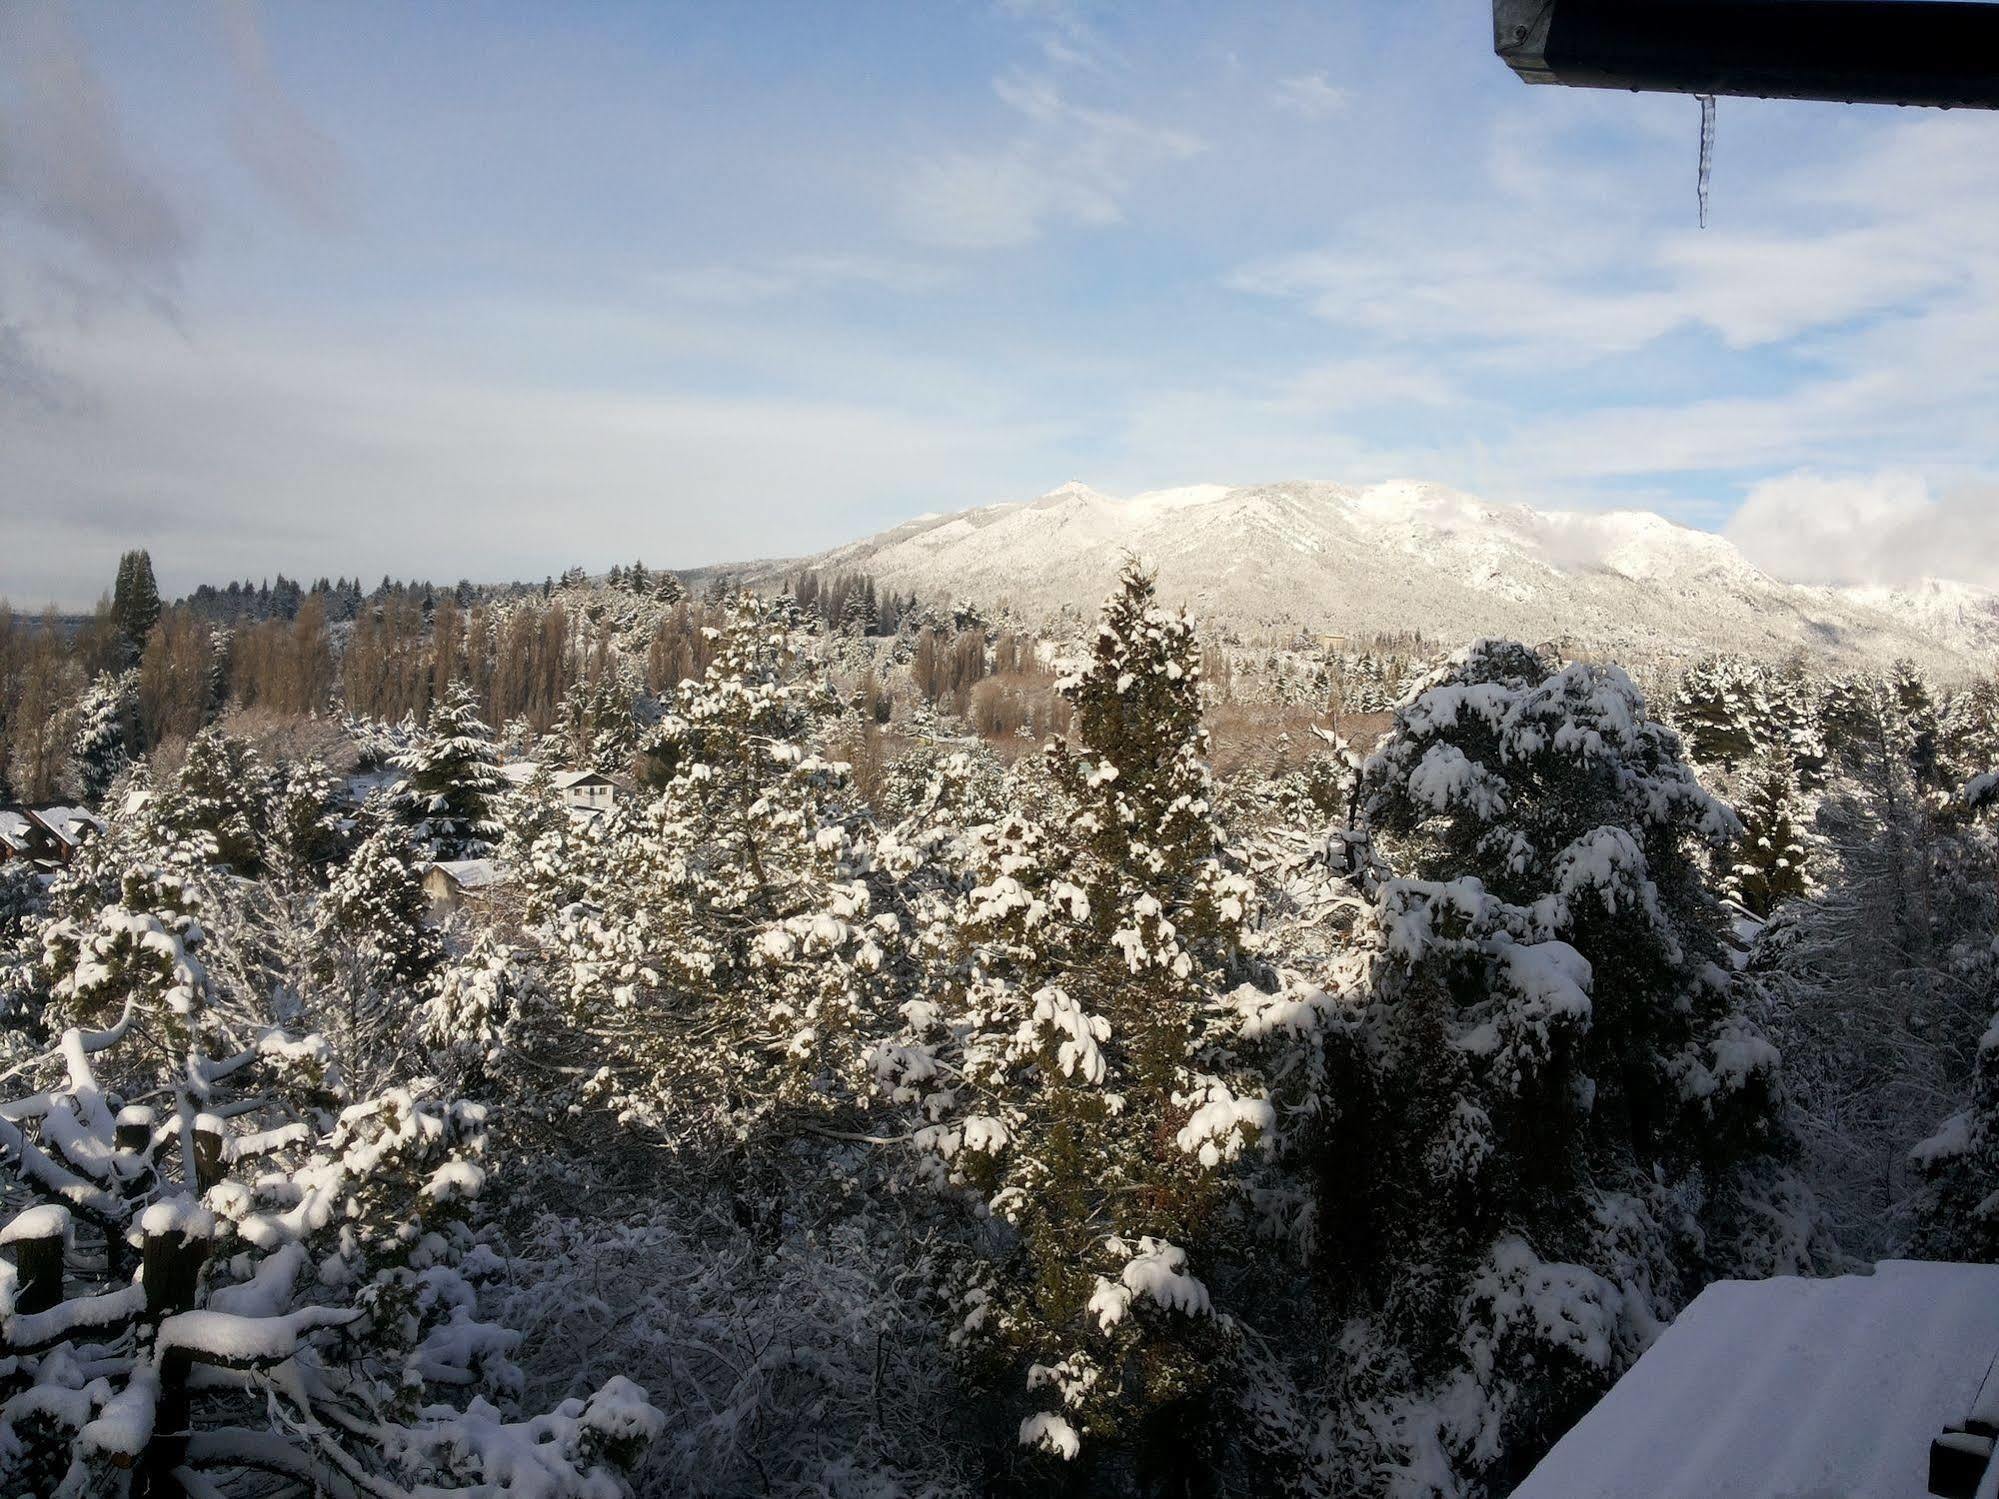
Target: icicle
x=1707 y=151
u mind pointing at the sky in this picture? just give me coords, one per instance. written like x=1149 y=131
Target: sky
x=485 y=291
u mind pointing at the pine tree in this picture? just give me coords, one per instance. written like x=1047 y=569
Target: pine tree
x=451 y=784
x=307 y=831
x=1581 y=1114
x=373 y=953
x=603 y=733
x=1102 y=1100
x=1770 y=857
x=135 y=602
x=101 y=748
x=728 y=957
x=1957 y=1211
x=1719 y=709
x=222 y=795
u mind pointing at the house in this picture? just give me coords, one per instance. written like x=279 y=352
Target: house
x=18 y=837
x=70 y=827
x=1873 y=1386
x=48 y=836
x=586 y=792
x=450 y=883
x=517 y=773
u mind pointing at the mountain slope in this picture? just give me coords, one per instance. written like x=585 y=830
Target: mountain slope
x=1269 y=560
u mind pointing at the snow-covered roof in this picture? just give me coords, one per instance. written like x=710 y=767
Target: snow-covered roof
x=68 y=823
x=14 y=830
x=564 y=779
x=1783 y=1388
x=471 y=874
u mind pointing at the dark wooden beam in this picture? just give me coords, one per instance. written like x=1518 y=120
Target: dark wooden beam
x=1930 y=52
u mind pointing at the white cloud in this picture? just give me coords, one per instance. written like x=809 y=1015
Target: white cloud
x=295 y=162
x=370 y=454
x=1886 y=527
x=1310 y=95
x=1070 y=163
x=788 y=276
x=64 y=161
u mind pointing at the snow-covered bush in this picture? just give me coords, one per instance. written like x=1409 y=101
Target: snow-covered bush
x=807 y=1369
x=303 y=1313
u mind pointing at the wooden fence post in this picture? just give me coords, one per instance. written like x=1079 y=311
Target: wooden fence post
x=38 y=1236
x=176 y=1247
x=209 y=1166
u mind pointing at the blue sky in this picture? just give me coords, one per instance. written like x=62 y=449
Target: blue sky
x=447 y=290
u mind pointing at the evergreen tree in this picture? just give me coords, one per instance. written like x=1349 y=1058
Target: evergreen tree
x=221 y=797
x=1770 y=857
x=451 y=784
x=307 y=830
x=303 y=1313
x=101 y=748
x=1958 y=1208
x=1555 y=1118
x=1101 y=1099
x=728 y=958
x=373 y=952
x=603 y=733
x=1719 y=709
x=135 y=602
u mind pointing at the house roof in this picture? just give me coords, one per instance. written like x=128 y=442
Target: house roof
x=14 y=829
x=1788 y=1388
x=67 y=823
x=471 y=874
x=564 y=779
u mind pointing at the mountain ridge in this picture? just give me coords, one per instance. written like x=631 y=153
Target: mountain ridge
x=1269 y=560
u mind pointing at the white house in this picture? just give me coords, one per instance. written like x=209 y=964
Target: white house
x=586 y=792
x=17 y=835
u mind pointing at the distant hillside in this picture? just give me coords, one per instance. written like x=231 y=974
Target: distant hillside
x=1274 y=559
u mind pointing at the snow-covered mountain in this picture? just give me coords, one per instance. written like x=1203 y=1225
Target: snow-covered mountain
x=1332 y=558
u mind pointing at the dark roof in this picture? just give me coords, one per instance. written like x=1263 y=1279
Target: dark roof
x=1935 y=52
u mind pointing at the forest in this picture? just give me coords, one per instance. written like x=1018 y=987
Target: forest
x=963 y=1061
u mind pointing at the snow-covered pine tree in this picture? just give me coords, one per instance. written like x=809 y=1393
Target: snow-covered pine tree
x=304 y=1313
x=451 y=784
x=307 y=830
x=1769 y=859
x=1957 y=1210
x=101 y=748
x=728 y=955
x=542 y=846
x=1555 y=1117
x=1097 y=1099
x=1957 y=1213
x=1719 y=709
x=601 y=728
x=373 y=954
x=222 y=794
